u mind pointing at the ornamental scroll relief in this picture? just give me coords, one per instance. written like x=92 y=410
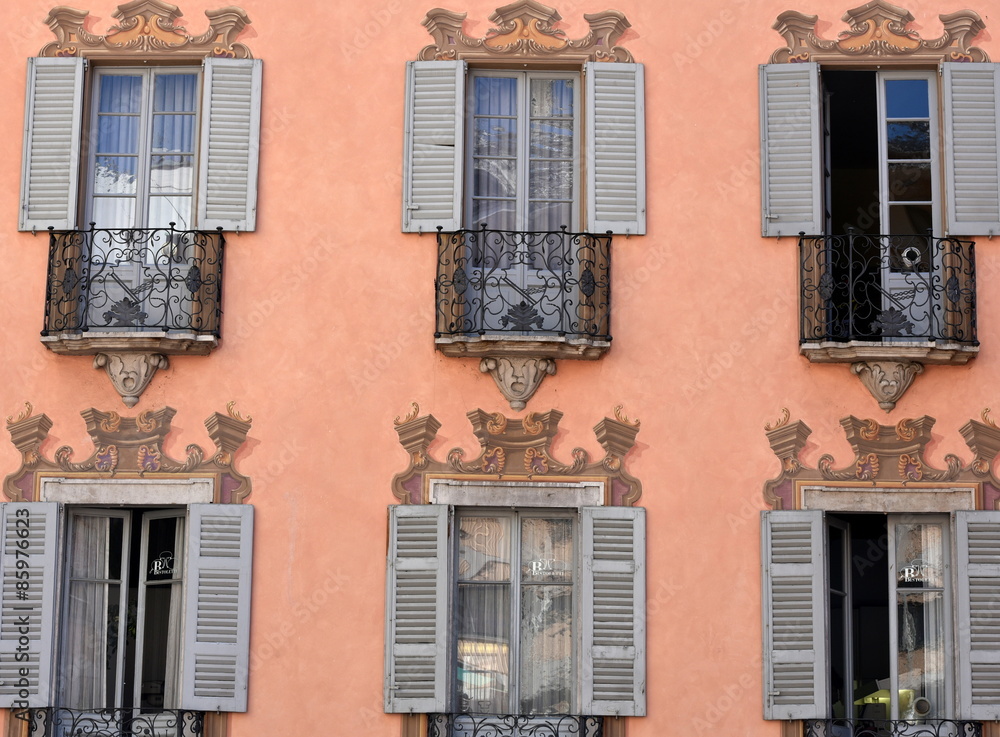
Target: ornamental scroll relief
x=147 y=28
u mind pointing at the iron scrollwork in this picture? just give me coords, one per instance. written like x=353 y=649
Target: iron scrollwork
x=59 y=722
x=523 y=283
x=892 y=728
x=887 y=287
x=134 y=278
x=513 y=725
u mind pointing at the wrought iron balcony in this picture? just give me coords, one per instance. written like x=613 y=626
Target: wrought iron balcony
x=58 y=722
x=889 y=290
x=126 y=283
x=892 y=728
x=513 y=725
x=497 y=287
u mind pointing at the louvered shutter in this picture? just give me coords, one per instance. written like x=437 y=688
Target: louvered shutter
x=417 y=609
x=230 y=141
x=972 y=148
x=796 y=653
x=615 y=148
x=217 y=607
x=50 y=172
x=977 y=546
x=791 y=150
x=29 y=541
x=614 y=611
x=433 y=146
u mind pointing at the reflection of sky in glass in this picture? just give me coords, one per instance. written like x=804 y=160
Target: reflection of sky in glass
x=906 y=98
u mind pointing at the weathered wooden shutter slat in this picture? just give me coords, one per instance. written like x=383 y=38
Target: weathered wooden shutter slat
x=29 y=557
x=433 y=146
x=615 y=148
x=794 y=606
x=977 y=545
x=50 y=174
x=614 y=611
x=230 y=142
x=217 y=607
x=972 y=148
x=791 y=150
x=417 y=609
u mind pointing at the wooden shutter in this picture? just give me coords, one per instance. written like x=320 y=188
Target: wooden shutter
x=433 y=146
x=615 y=148
x=29 y=551
x=977 y=547
x=796 y=653
x=972 y=149
x=614 y=611
x=230 y=141
x=417 y=609
x=50 y=170
x=217 y=607
x=791 y=150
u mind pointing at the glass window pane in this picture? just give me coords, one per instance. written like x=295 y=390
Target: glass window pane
x=162 y=560
x=483 y=671
x=906 y=98
x=495 y=96
x=551 y=98
x=484 y=549
x=495 y=137
x=909 y=140
x=174 y=209
x=546 y=550
x=117 y=134
x=115 y=175
x=550 y=180
x=910 y=219
x=159 y=647
x=494 y=214
x=546 y=649
x=551 y=139
x=919 y=555
x=494 y=178
x=114 y=212
x=120 y=94
x=910 y=182
x=175 y=93
x=171 y=175
x=551 y=216
x=173 y=134
x=922 y=669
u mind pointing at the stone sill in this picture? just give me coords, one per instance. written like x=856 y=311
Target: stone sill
x=534 y=346
x=941 y=353
x=172 y=343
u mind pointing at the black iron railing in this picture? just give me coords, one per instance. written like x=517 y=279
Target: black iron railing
x=137 y=278
x=58 y=722
x=552 y=283
x=892 y=728
x=858 y=287
x=513 y=725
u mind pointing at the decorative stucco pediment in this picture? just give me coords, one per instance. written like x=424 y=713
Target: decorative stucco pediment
x=516 y=449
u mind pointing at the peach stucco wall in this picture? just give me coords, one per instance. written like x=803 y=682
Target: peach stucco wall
x=327 y=336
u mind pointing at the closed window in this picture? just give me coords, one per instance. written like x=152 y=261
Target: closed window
x=531 y=612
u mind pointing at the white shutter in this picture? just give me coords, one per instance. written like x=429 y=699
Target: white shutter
x=791 y=150
x=614 y=611
x=972 y=153
x=616 y=148
x=795 y=621
x=433 y=145
x=50 y=172
x=217 y=607
x=977 y=546
x=29 y=551
x=230 y=142
x=417 y=609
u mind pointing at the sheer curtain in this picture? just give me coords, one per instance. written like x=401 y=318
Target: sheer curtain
x=88 y=663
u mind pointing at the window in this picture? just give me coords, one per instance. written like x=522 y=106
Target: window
x=531 y=611
x=134 y=609
x=161 y=145
x=859 y=612
x=505 y=147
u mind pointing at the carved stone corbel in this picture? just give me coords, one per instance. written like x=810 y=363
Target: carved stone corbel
x=517 y=377
x=887 y=380
x=130 y=373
